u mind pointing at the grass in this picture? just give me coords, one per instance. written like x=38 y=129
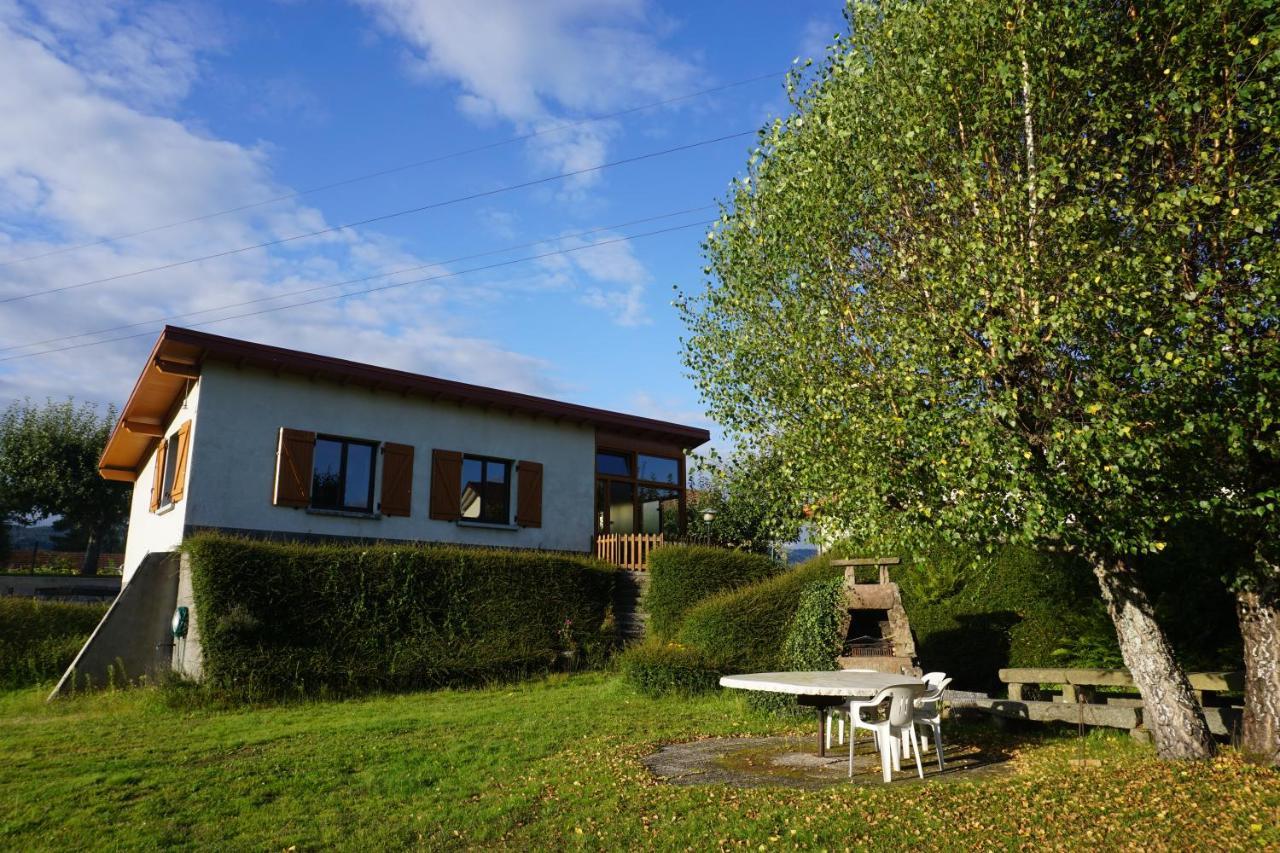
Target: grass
x=551 y=763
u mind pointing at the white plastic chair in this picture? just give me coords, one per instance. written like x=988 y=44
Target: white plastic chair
x=897 y=723
x=838 y=713
x=928 y=712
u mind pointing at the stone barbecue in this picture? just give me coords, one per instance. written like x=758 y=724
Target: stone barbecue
x=873 y=623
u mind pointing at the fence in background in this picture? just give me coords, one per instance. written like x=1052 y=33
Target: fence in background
x=628 y=550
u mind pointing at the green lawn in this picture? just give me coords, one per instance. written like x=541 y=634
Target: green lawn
x=545 y=764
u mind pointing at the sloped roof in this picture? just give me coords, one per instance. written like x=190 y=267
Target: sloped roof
x=178 y=355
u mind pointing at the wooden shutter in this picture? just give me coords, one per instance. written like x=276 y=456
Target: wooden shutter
x=397 y=478
x=529 y=494
x=294 y=456
x=157 y=479
x=446 y=485
x=179 y=487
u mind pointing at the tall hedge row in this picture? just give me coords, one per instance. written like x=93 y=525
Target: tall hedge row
x=974 y=613
x=682 y=575
x=284 y=617
x=745 y=628
x=39 y=639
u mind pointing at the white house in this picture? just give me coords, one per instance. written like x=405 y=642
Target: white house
x=231 y=435
x=224 y=434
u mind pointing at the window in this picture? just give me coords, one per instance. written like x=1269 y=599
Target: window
x=638 y=493
x=342 y=474
x=658 y=469
x=660 y=510
x=613 y=464
x=486 y=490
x=170 y=469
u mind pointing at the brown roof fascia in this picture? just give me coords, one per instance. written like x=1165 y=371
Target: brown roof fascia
x=340 y=370
x=278 y=359
x=126 y=410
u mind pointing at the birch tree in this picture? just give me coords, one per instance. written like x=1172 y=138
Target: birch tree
x=997 y=276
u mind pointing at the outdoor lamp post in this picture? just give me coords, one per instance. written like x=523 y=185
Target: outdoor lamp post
x=708 y=516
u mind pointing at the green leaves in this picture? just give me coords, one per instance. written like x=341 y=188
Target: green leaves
x=1092 y=351
x=49 y=465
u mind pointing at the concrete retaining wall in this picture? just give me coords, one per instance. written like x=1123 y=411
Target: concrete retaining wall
x=133 y=640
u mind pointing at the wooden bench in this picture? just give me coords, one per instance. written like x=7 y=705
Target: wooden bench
x=1080 y=702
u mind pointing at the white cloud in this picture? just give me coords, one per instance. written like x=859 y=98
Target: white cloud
x=85 y=154
x=537 y=64
x=667 y=409
x=817 y=35
x=146 y=53
x=625 y=305
x=615 y=278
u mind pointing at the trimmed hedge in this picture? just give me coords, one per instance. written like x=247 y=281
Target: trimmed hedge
x=970 y=615
x=973 y=613
x=281 y=618
x=682 y=575
x=657 y=668
x=39 y=639
x=744 y=629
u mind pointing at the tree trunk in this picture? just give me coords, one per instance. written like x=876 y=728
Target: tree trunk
x=89 y=565
x=1259 y=613
x=1170 y=711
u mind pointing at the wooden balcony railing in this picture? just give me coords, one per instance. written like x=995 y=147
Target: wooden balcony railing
x=627 y=550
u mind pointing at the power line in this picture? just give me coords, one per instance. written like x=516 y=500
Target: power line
x=317 y=288
x=401 y=168
x=336 y=296
x=386 y=216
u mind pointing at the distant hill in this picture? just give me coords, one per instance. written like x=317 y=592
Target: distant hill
x=37 y=535
x=799 y=552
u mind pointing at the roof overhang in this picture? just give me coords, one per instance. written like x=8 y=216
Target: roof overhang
x=179 y=355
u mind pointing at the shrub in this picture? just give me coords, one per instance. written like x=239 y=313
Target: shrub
x=744 y=629
x=682 y=575
x=39 y=639
x=657 y=668
x=813 y=641
x=277 y=618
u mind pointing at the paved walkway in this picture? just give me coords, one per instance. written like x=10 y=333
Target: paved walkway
x=792 y=762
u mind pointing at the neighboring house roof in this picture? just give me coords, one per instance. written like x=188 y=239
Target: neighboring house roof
x=178 y=355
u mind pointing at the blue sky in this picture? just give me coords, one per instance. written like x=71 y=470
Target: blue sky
x=122 y=116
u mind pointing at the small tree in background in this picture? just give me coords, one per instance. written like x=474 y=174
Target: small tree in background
x=49 y=467
x=750 y=496
x=1009 y=272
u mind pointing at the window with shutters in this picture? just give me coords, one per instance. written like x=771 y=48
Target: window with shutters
x=486 y=490
x=342 y=474
x=172 y=459
x=173 y=448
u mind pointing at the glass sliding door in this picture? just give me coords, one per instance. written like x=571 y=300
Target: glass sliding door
x=639 y=492
x=615 y=507
x=622 y=513
x=660 y=511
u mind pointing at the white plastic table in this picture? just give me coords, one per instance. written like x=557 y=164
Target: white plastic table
x=821 y=690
